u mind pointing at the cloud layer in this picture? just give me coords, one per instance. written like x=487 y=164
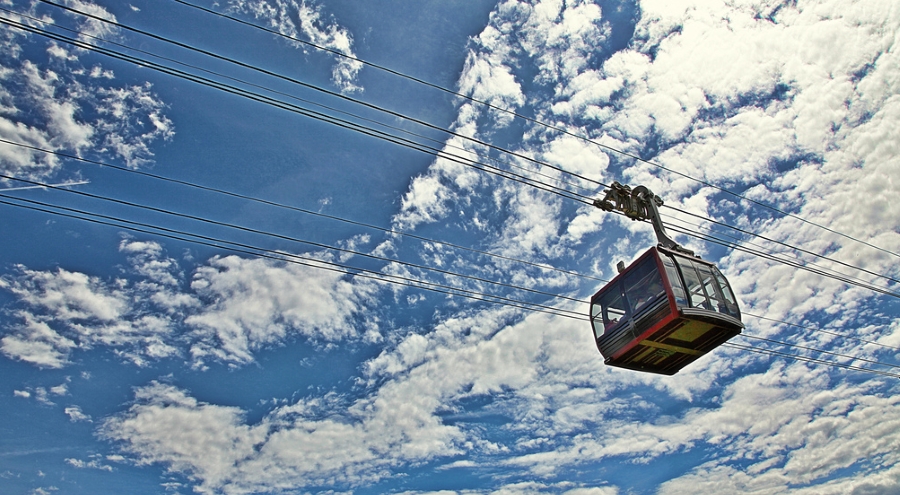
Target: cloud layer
x=303 y=20
x=793 y=104
x=57 y=102
x=232 y=308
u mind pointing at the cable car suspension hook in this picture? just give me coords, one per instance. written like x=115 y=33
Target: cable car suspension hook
x=639 y=204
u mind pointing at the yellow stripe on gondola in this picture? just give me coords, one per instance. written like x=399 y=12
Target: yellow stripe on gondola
x=675 y=348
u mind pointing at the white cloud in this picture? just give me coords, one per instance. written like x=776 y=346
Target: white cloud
x=487 y=81
x=66 y=310
x=69 y=295
x=91 y=464
x=333 y=441
x=577 y=156
x=253 y=303
x=711 y=57
x=88 y=27
x=545 y=375
x=528 y=488
x=798 y=440
x=19 y=161
x=43 y=396
x=559 y=38
x=233 y=308
x=555 y=387
x=728 y=93
x=289 y=448
x=303 y=20
x=36 y=343
x=795 y=430
x=146 y=258
x=58 y=108
x=131 y=118
x=701 y=81
x=75 y=414
x=59 y=105
x=167 y=425
x=427 y=199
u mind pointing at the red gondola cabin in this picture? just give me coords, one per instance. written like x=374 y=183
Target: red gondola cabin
x=663 y=312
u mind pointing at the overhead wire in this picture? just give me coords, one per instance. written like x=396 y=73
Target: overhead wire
x=284 y=256
x=774 y=259
x=91 y=47
x=540 y=163
x=526 y=118
x=686 y=232
x=388 y=231
x=303 y=100
x=807 y=348
x=761 y=254
x=452 y=290
x=780 y=243
x=166 y=211
x=201 y=187
x=807 y=359
x=318 y=263
x=743 y=245
x=313 y=87
x=822 y=330
x=317 y=115
x=306 y=112
x=478 y=165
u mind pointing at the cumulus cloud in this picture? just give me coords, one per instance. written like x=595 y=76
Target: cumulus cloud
x=131 y=118
x=43 y=394
x=398 y=423
x=232 y=308
x=529 y=50
x=63 y=311
x=284 y=450
x=61 y=105
x=790 y=424
x=829 y=122
x=723 y=104
x=799 y=438
x=90 y=28
x=75 y=414
x=36 y=343
x=251 y=303
x=304 y=20
x=737 y=93
x=756 y=98
x=93 y=463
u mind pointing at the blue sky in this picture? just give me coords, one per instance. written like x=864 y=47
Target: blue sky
x=144 y=360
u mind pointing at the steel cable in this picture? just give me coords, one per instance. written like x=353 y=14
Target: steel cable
x=528 y=119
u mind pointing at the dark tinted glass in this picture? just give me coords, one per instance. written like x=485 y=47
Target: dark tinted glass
x=643 y=284
x=675 y=280
x=608 y=310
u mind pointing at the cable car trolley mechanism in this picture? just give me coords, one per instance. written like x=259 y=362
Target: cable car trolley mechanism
x=666 y=309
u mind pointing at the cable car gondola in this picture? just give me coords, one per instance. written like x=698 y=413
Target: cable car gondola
x=666 y=309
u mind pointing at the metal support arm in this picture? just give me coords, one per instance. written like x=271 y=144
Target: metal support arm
x=639 y=204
